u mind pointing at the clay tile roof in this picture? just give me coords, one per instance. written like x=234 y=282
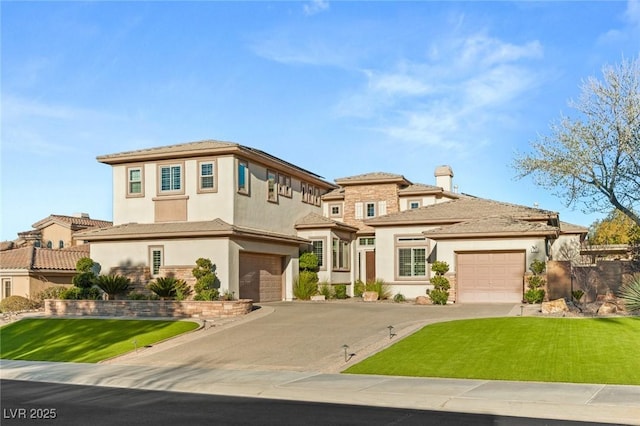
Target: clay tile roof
x=375 y=177
x=420 y=188
x=36 y=258
x=73 y=222
x=491 y=226
x=336 y=194
x=570 y=228
x=314 y=220
x=210 y=228
x=462 y=209
x=203 y=145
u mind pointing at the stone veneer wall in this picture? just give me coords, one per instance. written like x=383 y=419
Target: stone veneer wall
x=148 y=308
x=368 y=193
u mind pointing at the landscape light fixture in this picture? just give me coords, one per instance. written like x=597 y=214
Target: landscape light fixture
x=135 y=344
x=391 y=333
x=346 y=357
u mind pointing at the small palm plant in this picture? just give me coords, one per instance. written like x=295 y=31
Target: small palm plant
x=630 y=293
x=112 y=284
x=169 y=288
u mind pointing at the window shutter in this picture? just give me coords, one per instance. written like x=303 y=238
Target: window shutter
x=382 y=208
x=359 y=211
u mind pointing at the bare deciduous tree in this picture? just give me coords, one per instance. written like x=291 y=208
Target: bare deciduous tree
x=594 y=157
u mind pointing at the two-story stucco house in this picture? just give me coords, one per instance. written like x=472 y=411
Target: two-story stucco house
x=230 y=203
x=252 y=214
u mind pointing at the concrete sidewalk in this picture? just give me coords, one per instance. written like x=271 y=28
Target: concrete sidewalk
x=582 y=402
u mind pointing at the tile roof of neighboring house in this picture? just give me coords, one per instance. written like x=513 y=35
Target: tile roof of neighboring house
x=39 y=259
x=375 y=177
x=200 y=148
x=336 y=194
x=210 y=228
x=314 y=221
x=570 y=228
x=504 y=226
x=72 y=222
x=462 y=209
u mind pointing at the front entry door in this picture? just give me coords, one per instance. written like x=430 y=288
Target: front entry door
x=370 y=265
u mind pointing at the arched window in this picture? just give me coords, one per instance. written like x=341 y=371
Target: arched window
x=49 y=244
x=60 y=244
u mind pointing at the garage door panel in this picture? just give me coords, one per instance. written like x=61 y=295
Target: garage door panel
x=490 y=277
x=261 y=277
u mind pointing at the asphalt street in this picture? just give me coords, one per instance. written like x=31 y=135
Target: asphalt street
x=27 y=403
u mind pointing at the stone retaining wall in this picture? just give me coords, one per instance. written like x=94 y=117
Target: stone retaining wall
x=148 y=308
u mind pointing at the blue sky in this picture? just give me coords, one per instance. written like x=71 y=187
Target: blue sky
x=339 y=88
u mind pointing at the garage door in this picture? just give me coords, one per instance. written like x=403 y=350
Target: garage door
x=490 y=277
x=261 y=277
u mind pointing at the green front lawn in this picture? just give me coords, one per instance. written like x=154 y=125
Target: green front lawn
x=82 y=340
x=602 y=350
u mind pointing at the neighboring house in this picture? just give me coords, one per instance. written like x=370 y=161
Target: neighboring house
x=57 y=231
x=252 y=214
x=28 y=270
x=230 y=203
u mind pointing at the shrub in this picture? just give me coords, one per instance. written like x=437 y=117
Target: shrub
x=359 y=288
x=380 y=287
x=399 y=298
x=341 y=291
x=630 y=293
x=77 y=293
x=207 y=294
x=577 y=294
x=306 y=285
x=168 y=287
x=440 y=293
x=86 y=275
x=308 y=262
x=142 y=296
x=439 y=297
x=228 y=295
x=16 y=304
x=326 y=290
x=207 y=282
x=52 y=292
x=534 y=295
x=113 y=284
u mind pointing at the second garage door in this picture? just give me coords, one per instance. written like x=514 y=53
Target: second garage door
x=261 y=277
x=490 y=277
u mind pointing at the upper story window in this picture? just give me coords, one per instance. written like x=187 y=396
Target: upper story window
x=335 y=210
x=370 y=209
x=135 y=187
x=367 y=241
x=414 y=204
x=272 y=186
x=243 y=177
x=171 y=178
x=284 y=186
x=60 y=244
x=310 y=193
x=207 y=176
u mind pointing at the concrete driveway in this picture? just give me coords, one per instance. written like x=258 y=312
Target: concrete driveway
x=304 y=336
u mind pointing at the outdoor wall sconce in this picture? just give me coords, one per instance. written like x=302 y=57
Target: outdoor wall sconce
x=391 y=333
x=534 y=249
x=346 y=356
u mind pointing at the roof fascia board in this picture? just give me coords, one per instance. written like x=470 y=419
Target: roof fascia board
x=476 y=235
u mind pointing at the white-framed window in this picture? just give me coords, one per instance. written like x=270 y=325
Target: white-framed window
x=414 y=204
x=135 y=183
x=370 y=210
x=367 y=241
x=318 y=250
x=207 y=176
x=156 y=259
x=335 y=210
x=284 y=186
x=341 y=255
x=243 y=177
x=411 y=257
x=6 y=287
x=272 y=186
x=171 y=178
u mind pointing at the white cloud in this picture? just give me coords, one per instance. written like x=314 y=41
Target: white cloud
x=629 y=30
x=446 y=100
x=315 y=6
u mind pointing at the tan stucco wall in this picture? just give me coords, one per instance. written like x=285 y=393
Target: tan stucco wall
x=566 y=247
x=56 y=233
x=29 y=285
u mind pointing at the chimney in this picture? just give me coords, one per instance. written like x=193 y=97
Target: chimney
x=444 y=177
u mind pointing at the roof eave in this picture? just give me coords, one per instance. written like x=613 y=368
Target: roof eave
x=497 y=234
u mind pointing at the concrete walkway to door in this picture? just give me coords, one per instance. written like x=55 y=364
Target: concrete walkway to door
x=304 y=336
